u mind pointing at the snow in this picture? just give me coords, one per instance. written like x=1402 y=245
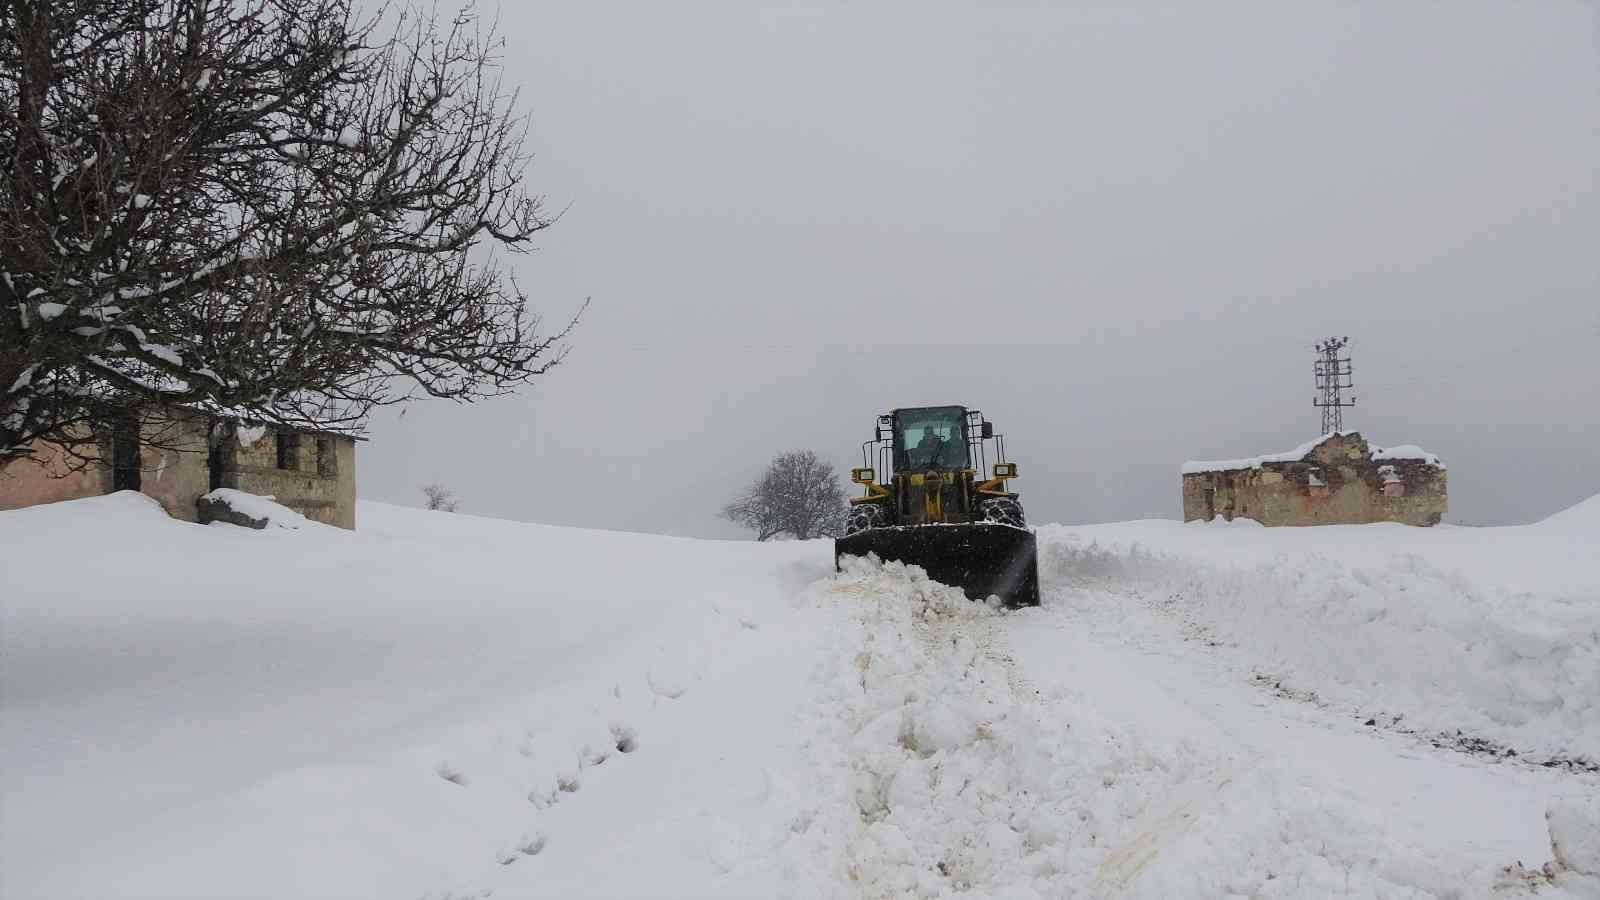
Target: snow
x=258 y=506
x=164 y=353
x=1403 y=451
x=438 y=705
x=1253 y=462
x=1493 y=631
x=1575 y=834
x=48 y=311
x=24 y=380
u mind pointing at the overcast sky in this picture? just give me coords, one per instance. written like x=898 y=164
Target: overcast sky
x=1117 y=233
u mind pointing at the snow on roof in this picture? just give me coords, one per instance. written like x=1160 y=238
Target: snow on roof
x=1254 y=462
x=1402 y=451
x=247 y=418
x=1406 y=451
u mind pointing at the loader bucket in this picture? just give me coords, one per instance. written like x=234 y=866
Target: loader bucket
x=981 y=558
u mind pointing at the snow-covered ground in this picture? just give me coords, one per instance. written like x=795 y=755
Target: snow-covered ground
x=444 y=706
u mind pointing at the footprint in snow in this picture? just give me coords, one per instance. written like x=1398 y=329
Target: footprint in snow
x=664 y=686
x=626 y=738
x=450 y=773
x=531 y=844
x=544 y=798
x=590 y=756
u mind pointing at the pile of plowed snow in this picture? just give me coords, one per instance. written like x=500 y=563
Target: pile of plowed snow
x=1492 y=632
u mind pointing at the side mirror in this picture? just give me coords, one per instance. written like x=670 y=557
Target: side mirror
x=987 y=428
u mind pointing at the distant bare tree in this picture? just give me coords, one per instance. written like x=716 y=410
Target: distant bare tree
x=799 y=495
x=440 y=498
x=272 y=207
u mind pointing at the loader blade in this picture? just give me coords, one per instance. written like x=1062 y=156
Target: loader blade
x=981 y=558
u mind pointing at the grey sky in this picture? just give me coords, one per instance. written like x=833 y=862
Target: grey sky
x=1117 y=233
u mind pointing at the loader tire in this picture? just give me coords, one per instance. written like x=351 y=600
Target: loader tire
x=1003 y=511
x=865 y=516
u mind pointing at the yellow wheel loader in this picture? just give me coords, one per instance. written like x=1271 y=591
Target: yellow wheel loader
x=934 y=499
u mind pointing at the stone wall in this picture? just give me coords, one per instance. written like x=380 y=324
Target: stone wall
x=1336 y=482
x=175 y=475
x=313 y=474
x=316 y=477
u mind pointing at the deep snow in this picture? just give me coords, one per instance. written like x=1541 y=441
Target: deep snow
x=444 y=706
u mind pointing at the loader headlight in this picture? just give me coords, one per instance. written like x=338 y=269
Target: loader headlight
x=862 y=476
x=1005 y=470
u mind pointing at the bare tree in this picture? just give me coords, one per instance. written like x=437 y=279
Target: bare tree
x=799 y=495
x=266 y=207
x=440 y=498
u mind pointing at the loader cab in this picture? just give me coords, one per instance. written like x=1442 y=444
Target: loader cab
x=930 y=437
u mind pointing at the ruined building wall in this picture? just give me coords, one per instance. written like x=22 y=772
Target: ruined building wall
x=173 y=475
x=315 y=476
x=1336 y=483
x=176 y=475
x=312 y=474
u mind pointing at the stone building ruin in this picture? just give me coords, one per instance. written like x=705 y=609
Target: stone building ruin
x=181 y=455
x=1338 y=479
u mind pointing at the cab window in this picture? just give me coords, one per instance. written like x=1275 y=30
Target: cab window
x=933 y=438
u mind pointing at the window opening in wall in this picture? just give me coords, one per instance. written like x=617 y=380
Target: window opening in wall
x=125 y=457
x=1317 y=485
x=327 y=462
x=288 y=450
x=1393 y=484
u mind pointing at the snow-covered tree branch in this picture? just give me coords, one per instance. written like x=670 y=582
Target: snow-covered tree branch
x=262 y=205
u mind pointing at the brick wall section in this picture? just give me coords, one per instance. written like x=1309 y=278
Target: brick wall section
x=1355 y=489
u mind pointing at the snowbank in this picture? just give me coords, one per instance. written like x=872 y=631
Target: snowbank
x=434 y=705
x=1583 y=518
x=1494 y=632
